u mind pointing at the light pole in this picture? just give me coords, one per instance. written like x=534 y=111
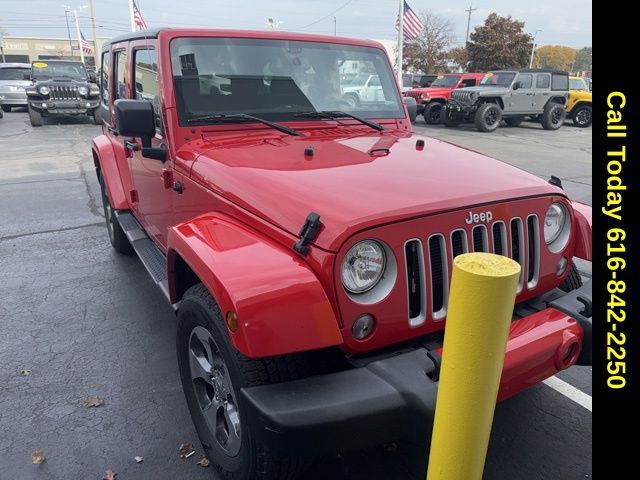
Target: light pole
x=66 y=19
x=2 y=47
x=533 y=48
x=75 y=16
x=470 y=10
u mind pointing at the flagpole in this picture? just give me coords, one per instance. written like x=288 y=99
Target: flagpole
x=133 y=23
x=400 y=39
x=75 y=15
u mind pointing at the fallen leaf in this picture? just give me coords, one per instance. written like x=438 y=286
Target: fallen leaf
x=186 y=450
x=37 y=457
x=25 y=372
x=138 y=459
x=204 y=462
x=109 y=475
x=93 y=401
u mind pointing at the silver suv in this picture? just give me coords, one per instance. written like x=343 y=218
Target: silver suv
x=14 y=78
x=510 y=95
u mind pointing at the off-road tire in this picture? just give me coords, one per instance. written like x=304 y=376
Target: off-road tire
x=35 y=117
x=553 y=116
x=447 y=121
x=573 y=280
x=514 y=121
x=432 y=113
x=254 y=460
x=6 y=108
x=1 y=114
x=582 y=116
x=352 y=99
x=488 y=116
x=117 y=237
x=96 y=117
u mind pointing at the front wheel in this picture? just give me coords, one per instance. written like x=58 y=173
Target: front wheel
x=432 y=113
x=488 y=117
x=352 y=99
x=35 y=117
x=117 y=237
x=553 y=116
x=213 y=372
x=96 y=117
x=582 y=116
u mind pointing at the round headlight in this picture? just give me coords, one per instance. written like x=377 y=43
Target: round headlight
x=44 y=90
x=363 y=266
x=82 y=90
x=554 y=222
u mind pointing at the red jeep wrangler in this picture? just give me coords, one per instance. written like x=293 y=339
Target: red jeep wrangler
x=306 y=244
x=433 y=98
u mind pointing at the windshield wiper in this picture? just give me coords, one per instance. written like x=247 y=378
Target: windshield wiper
x=335 y=114
x=243 y=117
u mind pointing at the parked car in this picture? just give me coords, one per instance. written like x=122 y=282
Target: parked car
x=579 y=104
x=432 y=99
x=307 y=244
x=363 y=87
x=510 y=95
x=14 y=78
x=61 y=87
x=410 y=81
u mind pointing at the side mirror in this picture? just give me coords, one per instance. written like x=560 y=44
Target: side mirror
x=136 y=118
x=412 y=107
x=517 y=85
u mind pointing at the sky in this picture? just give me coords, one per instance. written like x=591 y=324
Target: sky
x=563 y=22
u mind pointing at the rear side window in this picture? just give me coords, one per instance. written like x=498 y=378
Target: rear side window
x=147 y=85
x=525 y=81
x=120 y=83
x=542 y=80
x=104 y=77
x=15 y=73
x=559 y=82
x=468 y=82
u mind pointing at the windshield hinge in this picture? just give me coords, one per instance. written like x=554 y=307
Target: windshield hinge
x=308 y=233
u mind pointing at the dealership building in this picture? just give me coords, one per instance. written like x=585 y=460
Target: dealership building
x=28 y=49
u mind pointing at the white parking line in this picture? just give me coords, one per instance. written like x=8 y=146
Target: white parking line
x=569 y=391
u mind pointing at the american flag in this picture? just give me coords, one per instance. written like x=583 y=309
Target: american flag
x=85 y=45
x=411 y=24
x=137 y=17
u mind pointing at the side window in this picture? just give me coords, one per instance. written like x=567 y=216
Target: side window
x=147 y=86
x=120 y=84
x=468 y=82
x=559 y=81
x=525 y=81
x=374 y=81
x=104 y=77
x=543 y=81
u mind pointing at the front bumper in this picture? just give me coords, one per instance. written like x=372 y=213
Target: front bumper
x=65 y=107
x=13 y=98
x=393 y=398
x=456 y=109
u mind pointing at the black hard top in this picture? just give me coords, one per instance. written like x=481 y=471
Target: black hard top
x=533 y=70
x=139 y=35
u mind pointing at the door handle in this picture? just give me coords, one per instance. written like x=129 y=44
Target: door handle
x=131 y=145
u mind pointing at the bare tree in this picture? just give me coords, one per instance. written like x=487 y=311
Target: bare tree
x=428 y=52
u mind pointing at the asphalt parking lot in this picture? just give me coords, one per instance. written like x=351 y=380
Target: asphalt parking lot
x=86 y=321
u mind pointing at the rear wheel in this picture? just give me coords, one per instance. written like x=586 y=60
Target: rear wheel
x=514 y=121
x=488 y=117
x=582 y=116
x=553 y=116
x=6 y=108
x=432 y=113
x=117 y=237
x=213 y=372
x=35 y=117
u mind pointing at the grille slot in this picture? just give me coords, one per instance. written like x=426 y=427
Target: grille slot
x=63 y=92
x=439 y=276
x=533 y=263
x=499 y=231
x=414 y=261
x=480 y=240
x=517 y=247
x=459 y=243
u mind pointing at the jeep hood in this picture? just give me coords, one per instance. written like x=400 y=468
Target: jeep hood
x=485 y=91
x=435 y=91
x=351 y=188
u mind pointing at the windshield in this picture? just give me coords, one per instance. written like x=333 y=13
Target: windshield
x=275 y=79
x=497 y=79
x=74 y=70
x=15 y=73
x=577 y=84
x=446 y=81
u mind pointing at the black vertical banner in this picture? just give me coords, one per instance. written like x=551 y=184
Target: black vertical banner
x=616 y=248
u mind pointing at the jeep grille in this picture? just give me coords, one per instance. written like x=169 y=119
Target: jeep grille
x=462 y=96
x=519 y=240
x=64 y=92
x=413 y=93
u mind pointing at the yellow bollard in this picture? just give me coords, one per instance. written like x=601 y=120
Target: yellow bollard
x=483 y=291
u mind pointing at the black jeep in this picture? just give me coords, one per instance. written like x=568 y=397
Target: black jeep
x=62 y=87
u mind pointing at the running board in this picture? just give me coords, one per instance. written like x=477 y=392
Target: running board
x=150 y=255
